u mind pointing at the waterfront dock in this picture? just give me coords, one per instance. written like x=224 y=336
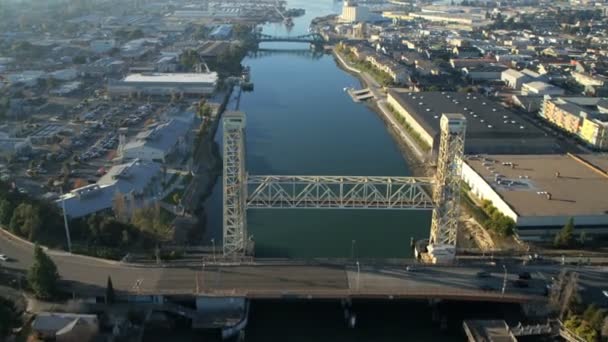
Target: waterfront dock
x=361 y=94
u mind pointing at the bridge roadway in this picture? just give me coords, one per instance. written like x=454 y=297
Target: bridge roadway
x=88 y=276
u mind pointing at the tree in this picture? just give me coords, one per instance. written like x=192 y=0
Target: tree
x=565 y=237
x=110 y=296
x=8 y=319
x=80 y=60
x=6 y=211
x=582 y=237
x=42 y=275
x=149 y=220
x=26 y=221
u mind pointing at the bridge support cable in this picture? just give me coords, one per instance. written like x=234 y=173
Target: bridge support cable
x=446 y=194
x=338 y=192
x=234 y=186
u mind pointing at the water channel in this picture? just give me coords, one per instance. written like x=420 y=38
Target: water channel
x=301 y=122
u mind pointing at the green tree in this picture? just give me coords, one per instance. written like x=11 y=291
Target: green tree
x=594 y=316
x=189 y=59
x=110 y=295
x=586 y=332
x=565 y=237
x=6 y=211
x=80 y=60
x=135 y=34
x=26 y=221
x=151 y=221
x=8 y=318
x=201 y=33
x=42 y=275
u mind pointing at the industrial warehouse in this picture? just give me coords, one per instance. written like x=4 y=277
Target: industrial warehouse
x=182 y=84
x=540 y=193
x=491 y=128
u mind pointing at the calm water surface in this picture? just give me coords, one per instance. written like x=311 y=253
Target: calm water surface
x=301 y=122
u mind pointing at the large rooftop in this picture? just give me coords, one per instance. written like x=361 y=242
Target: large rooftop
x=548 y=185
x=491 y=128
x=210 y=77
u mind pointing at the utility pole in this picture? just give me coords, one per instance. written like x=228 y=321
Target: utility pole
x=504 y=280
x=358 y=274
x=65 y=222
x=213 y=244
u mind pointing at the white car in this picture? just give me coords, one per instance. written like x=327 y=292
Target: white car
x=605 y=292
x=3 y=257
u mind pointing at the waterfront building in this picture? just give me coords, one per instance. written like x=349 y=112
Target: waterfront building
x=542 y=192
x=491 y=128
x=165 y=84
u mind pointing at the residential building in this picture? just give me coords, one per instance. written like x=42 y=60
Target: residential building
x=539 y=88
x=491 y=72
x=221 y=32
x=398 y=72
x=585 y=117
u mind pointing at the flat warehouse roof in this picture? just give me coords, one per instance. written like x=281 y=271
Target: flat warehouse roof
x=485 y=118
x=579 y=189
x=210 y=77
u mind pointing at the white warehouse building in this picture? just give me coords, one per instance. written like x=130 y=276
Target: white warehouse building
x=165 y=84
x=542 y=192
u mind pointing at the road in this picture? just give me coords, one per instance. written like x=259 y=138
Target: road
x=265 y=279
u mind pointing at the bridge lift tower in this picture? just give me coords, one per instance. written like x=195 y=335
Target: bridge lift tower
x=235 y=186
x=446 y=192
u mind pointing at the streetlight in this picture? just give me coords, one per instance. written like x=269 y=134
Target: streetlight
x=504 y=281
x=203 y=277
x=358 y=274
x=213 y=244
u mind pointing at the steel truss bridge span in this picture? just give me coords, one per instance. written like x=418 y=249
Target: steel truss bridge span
x=338 y=192
x=312 y=38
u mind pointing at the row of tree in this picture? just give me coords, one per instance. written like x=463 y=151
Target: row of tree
x=497 y=221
